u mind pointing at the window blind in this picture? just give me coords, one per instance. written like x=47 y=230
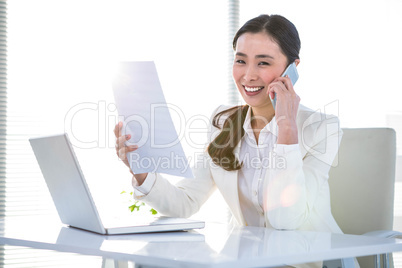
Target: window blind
x=3 y=103
x=233 y=26
x=25 y=192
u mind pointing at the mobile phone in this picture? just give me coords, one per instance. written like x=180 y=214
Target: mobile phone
x=291 y=71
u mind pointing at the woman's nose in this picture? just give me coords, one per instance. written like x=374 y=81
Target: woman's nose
x=250 y=74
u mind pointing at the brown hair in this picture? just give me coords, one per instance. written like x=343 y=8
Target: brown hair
x=285 y=34
x=280 y=29
x=221 y=148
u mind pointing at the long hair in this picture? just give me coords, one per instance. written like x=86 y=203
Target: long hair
x=221 y=148
x=285 y=34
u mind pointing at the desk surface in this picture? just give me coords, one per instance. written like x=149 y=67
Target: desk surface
x=214 y=246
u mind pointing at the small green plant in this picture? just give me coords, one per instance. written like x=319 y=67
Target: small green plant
x=137 y=204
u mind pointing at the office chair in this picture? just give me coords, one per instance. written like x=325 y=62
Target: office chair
x=362 y=186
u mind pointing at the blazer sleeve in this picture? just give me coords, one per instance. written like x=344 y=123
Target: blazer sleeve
x=184 y=198
x=187 y=196
x=293 y=187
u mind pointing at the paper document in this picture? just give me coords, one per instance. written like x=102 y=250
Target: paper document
x=142 y=108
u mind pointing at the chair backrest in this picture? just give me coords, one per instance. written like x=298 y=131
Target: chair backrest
x=362 y=182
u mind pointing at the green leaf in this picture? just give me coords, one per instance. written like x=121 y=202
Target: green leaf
x=123 y=192
x=138 y=204
x=153 y=211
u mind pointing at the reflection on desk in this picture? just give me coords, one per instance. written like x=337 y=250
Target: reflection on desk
x=214 y=246
x=19 y=257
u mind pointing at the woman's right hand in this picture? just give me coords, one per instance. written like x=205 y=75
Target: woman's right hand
x=122 y=149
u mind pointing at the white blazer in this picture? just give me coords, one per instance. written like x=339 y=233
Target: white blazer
x=297 y=196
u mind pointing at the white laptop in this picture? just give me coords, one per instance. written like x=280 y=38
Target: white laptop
x=73 y=200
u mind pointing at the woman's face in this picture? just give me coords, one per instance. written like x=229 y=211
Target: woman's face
x=258 y=61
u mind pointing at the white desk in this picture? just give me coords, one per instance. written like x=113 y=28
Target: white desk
x=214 y=246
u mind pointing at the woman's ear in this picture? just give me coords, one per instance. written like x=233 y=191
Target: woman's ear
x=297 y=61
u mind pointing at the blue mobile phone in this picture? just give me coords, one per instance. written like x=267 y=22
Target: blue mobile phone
x=291 y=71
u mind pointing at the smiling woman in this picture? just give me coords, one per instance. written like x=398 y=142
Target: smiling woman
x=294 y=196
x=59 y=54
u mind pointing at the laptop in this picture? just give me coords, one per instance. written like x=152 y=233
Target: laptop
x=73 y=200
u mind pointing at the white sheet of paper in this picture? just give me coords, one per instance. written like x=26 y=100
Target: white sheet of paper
x=141 y=104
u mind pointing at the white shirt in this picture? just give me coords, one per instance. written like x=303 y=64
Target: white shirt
x=256 y=158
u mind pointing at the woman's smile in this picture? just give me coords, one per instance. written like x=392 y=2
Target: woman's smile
x=252 y=90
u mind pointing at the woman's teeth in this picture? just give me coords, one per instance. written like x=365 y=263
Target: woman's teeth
x=252 y=89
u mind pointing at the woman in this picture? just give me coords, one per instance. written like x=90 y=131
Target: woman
x=271 y=165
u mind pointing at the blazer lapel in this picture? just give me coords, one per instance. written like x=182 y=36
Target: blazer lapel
x=239 y=213
x=227 y=182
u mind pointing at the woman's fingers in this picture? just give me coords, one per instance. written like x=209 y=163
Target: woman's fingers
x=287 y=101
x=281 y=86
x=287 y=82
x=117 y=129
x=121 y=148
x=276 y=87
x=121 y=144
x=120 y=141
x=123 y=151
x=281 y=83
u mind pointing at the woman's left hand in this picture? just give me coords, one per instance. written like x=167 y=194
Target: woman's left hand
x=287 y=105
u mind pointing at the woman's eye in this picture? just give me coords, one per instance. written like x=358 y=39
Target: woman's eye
x=263 y=63
x=240 y=61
